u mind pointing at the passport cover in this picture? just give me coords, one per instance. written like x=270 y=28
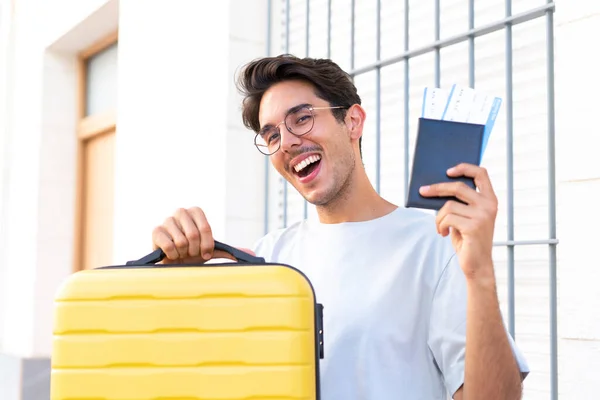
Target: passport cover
x=442 y=145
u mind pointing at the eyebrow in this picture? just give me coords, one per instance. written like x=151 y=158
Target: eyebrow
x=290 y=110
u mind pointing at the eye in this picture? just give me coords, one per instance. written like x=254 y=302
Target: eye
x=303 y=119
x=271 y=137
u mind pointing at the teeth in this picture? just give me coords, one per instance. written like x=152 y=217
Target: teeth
x=300 y=166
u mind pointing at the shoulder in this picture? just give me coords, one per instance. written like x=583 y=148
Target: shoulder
x=427 y=250
x=414 y=218
x=419 y=229
x=272 y=242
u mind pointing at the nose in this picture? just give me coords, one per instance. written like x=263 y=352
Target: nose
x=288 y=140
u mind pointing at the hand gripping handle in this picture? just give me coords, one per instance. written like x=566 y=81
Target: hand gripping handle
x=243 y=257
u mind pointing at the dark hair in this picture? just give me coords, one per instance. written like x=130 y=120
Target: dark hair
x=331 y=83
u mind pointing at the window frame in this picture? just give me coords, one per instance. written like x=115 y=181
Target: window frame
x=88 y=127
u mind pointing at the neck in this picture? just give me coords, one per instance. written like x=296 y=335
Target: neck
x=357 y=201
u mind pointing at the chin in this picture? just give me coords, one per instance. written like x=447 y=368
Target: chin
x=318 y=186
x=319 y=197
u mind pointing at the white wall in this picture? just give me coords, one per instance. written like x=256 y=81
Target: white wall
x=179 y=136
x=244 y=196
x=5 y=55
x=20 y=221
x=578 y=24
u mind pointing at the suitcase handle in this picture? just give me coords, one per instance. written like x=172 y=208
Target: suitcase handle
x=158 y=255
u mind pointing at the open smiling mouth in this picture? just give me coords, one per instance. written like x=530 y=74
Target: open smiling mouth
x=307 y=166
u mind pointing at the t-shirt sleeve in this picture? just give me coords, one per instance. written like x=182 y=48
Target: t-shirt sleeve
x=447 y=328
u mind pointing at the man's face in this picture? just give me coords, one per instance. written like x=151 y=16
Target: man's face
x=319 y=163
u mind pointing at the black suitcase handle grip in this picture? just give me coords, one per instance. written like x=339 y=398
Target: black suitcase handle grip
x=159 y=255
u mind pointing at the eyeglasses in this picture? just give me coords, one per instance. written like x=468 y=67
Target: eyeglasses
x=299 y=121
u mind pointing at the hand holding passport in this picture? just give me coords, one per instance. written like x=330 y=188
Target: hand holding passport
x=454 y=128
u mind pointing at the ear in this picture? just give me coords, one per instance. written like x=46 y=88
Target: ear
x=355 y=121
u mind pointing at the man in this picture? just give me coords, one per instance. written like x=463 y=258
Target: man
x=411 y=304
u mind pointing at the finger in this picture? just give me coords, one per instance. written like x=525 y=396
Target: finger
x=457 y=189
x=455 y=208
x=207 y=242
x=457 y=222
x=175 y=231
x=162 y=240
x=191 y=232
x=452 y=207
x=479 y=174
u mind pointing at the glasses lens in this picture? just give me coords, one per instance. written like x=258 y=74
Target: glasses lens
x=300 y=122
x=267 y=142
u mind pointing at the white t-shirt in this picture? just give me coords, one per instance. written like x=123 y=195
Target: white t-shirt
x=394 y=302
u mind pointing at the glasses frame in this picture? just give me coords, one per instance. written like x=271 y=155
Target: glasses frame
x=276 y=127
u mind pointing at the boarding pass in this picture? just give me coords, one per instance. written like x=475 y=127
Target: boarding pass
x=462 y=104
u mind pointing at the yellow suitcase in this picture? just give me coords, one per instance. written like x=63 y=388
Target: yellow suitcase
x=236 y=330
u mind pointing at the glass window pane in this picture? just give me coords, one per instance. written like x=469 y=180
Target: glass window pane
x=101 y=81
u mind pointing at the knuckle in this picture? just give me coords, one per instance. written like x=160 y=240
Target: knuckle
x=484 y=173
x=453 y=205
x=180 y=241
x=440 y=215
x=197 y=211
x=205 y=228
x=445 y=210
x=447 y=207
x=193 y=235
x=495 y=201
x=157 y=231
x=462 y=186
x=168 y=247
x=169 y=221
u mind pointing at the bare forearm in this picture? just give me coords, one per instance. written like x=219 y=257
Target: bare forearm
x=491 y=371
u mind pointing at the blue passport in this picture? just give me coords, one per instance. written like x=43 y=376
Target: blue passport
x=441 y=145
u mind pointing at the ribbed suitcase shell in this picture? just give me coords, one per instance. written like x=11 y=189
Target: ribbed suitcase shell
x=218 y=332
